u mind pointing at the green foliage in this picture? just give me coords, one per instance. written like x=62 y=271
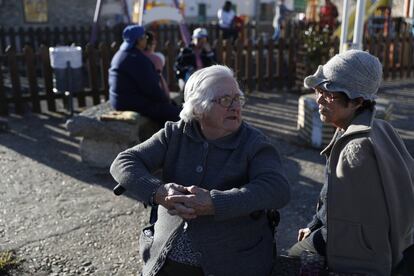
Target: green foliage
x=316 y=43
x=8 y=261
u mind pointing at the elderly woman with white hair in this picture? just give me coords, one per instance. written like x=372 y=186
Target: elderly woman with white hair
x=219 y=175
x=365 y=214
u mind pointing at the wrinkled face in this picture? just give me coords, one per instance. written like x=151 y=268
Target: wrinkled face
x=333 y=109
x=224 y=117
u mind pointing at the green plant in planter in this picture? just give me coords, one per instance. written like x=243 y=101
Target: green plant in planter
x=316 y=43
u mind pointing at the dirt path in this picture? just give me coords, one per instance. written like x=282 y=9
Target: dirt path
x=61 y=217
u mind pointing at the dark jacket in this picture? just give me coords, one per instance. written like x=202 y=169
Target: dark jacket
x=243 y=172
x=185 y=63
x=135 y=85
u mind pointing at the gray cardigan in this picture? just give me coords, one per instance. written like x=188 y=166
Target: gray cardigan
x=243 y=172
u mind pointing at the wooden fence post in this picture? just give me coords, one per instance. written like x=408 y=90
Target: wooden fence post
x=401 y=56
x=93 y=73
x=56 y=36
x=48 y=78
x=170 y=54
x=80 y=95
x=259 y=65
x=73 y=32
x=39 y=36
x=4 y=110
x=2 y=39
x=105 y=63
x=292 y=49
x=410 y=44
x=281 y=68
x=218 y=45
x=65 y=34
x=48 y=40
x=392 y=54
x=20 y=39
x=31 y=38
x=15 y=80
x=270 y=63
x=228 y=54
x=82 y=37
x=12 y=37
x=386 y=55
x=30 y=61
x=249 y=66
x=239 y=60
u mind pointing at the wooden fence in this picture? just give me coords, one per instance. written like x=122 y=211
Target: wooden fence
x=80 y=35
x=26 y=78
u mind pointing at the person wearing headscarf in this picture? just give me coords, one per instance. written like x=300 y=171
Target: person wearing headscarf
x=364 y=220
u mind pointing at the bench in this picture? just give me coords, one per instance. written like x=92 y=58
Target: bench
x=106 y=132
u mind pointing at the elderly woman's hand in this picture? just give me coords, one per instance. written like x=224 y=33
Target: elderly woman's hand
x=197 y=199
x=175 y=208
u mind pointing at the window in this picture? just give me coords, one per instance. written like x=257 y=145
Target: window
x=300 y=5
x=35 y=11
x=267 y=11
x=202 y=12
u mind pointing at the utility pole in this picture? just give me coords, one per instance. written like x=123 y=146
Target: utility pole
x=344 y=26
x=95 y=21
x=359 y=25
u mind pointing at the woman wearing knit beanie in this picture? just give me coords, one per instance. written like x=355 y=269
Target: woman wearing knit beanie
x=364 y=221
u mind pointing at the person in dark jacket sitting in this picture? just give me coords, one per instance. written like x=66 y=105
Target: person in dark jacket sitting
x=197 y=55
x=134 y=83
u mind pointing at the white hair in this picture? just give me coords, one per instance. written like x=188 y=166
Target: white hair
x=200 y=90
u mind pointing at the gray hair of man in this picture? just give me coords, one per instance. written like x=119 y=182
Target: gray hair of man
x=201 y=88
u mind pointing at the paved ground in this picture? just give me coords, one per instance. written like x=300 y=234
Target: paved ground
x=61 y=217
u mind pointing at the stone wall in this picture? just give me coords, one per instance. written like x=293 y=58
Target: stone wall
x=60 y=13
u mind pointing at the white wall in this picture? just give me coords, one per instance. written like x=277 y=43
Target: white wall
x=244 y=7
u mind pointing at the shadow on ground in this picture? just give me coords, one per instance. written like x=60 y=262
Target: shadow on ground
x=43 y=138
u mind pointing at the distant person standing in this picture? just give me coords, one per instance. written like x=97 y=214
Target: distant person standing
x=328 y=15
x=226 y=17
x=134 y=83
x=279 y=21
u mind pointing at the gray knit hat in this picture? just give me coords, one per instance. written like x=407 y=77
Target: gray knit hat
x=354 y=72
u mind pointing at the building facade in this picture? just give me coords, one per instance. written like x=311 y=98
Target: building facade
x=57 y=13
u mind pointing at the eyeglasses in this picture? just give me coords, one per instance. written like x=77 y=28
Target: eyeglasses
x=327 y=96
x=227 y=101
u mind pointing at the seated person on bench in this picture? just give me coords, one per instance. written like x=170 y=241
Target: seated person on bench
x=134 y=83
